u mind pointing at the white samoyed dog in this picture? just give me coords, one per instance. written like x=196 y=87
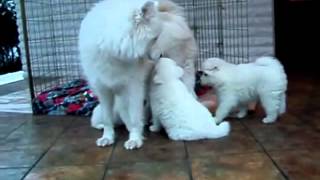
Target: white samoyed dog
x=176 y=109
x=113 y=42
x=237 y=85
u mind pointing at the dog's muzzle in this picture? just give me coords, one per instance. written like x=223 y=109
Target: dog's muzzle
x=198 y=80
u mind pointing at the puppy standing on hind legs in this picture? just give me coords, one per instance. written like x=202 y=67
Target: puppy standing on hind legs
x=263 y=80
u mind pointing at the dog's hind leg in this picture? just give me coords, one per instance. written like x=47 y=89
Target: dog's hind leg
x=271 y=103
x=106 y=99
x=282 y=103
x=242 y=111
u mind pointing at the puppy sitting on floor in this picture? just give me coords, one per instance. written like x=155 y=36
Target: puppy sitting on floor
x=175 y=108
x=237 y=85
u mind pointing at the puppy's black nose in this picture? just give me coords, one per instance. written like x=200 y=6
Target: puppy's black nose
x=198 y=81
x=200 y=73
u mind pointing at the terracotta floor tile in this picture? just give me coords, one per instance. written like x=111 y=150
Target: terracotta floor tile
x=39 y=131
x=156 y=147
x=287 y=137
x=237 y=142
x=147 y=171
x=254 y=166
x=22 y=157
x=8 y=124
x=75 y=152
x=299 y=164
x=67 y=173
x=81 y=128
x=12 y=174
x=255 y=121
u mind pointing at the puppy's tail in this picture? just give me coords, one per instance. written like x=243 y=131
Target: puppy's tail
x=220 y=130
x=268 y=61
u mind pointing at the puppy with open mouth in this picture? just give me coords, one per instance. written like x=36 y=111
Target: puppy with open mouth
x=237 y=85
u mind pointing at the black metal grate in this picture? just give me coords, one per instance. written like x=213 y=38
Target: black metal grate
x=51 y=29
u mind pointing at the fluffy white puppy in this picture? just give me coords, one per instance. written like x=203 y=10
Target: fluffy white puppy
x=113 y=40
x=174 y=107
x=237 y=85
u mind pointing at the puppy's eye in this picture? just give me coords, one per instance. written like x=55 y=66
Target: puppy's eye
x=205 y=74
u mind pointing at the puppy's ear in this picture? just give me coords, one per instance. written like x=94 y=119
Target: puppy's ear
x=179 y=72
x=149 y=9
x=157 y=80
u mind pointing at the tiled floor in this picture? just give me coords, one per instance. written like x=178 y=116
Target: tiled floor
x=55 y=147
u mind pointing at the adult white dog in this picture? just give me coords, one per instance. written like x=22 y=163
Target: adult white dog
x=237 y=85
x=176 y=109
x=113 y=41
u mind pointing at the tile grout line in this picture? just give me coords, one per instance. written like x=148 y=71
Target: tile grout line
x=106 y=167
x=47 y=150
x=13 y=130
x=266 y=152
x=189 y=166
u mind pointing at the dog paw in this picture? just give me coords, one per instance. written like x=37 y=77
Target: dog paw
x=133 y=144
x=268 y=121
x=104 y=141
x=241 y=114
x=218 y=121
x=98 y=126
x=155 y=54
x=154 y=128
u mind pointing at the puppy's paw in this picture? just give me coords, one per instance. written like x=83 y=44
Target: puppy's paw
x=218 y=121
x=155 y=54
x=268 y=120
x=241 y=114
x=133 y=144
x=154 y=128
x=104 y=141
x=98 y=126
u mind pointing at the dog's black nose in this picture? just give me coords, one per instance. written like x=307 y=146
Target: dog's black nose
x=200 y=73
x=198 y=81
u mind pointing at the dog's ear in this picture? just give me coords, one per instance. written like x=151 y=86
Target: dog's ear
x=157 y=80
x=149 y=9
x=179 y=72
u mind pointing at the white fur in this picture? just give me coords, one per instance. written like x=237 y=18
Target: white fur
x=176 y=41
x=174 y=107
x=113 y=40
x=237 y=85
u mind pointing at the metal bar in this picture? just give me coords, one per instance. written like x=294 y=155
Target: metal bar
x=27 y=50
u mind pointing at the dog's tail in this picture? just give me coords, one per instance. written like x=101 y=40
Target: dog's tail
x=268 y=61
x=220 y=130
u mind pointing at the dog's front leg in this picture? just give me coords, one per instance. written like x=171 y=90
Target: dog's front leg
x=132 y=114
x=223 y=109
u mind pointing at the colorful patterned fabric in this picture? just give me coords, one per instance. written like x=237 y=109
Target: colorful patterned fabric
x=74 y=98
